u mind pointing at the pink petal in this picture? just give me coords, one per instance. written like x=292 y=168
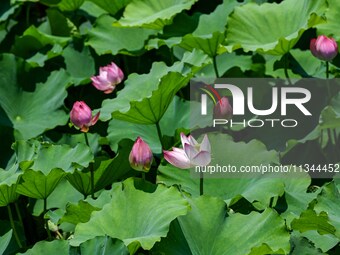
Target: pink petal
x=205 y=145
x=177 y=158
x=190 y=151
x=95 y=119
x=192 y=140
x=203 y=158
x=184 y=139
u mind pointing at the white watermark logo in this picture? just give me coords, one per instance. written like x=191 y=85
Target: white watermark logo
x=281 y=98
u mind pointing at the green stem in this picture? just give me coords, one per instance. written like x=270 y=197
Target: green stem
x=159 y=132
x=335 y=136
x=215 y=67
x=327 y=69
x=329 y=135
x=286 y=63
x=91 y=168
x=201 y=183
x=13 y=226
x=17 y=209
x=46 y=220
x=143 y=176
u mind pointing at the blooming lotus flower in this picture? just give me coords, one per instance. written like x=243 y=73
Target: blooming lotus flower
x=223 y=109
x=192 y=154
x=141 y=157
x=109 y=76
x=81 y=116
x=324 y=48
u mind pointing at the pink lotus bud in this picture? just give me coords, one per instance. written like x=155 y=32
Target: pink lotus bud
x=223 y=109
x=81 y=116
x=109 y=76
x=141 y=156
x=192 y=154
x=324 y=48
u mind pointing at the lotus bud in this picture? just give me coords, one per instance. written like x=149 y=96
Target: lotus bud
x=81 y=116
x=141 y=156
x=324 y=48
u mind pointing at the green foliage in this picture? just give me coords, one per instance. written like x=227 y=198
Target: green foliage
x=83 y=186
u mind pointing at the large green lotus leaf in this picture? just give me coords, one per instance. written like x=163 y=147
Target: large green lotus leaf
x=30 y=112
x=272 y=28
x=151 y=110
x=153 y=14
x=4 y=241
x=176 y=117
x=40 y=57
x=296 y=195
x=111 y=7
x=63 y=194
x=56 y=247
x=58 y=24
x=225 y=62
x=106 y=172
x=136 y=88
x=70 y=5
x=137 y=218
x=225 y=152
x=78 y=213
x=34 y=40
x=331 y=26
x=8 y=184
x=208 y=230
x=37 y=185
x=231 y=190
x=324 y=242
x=103 y=245
x=302 y=246
x=210 y=32
x=80 y=73
x=329 y=201
x=42 y=156
x=81 y=181
x=172 y=34
x=105 y=38
x=146 y=97
x=118 y=168
x=310 y=220
x=306 y=65
x=174 y=243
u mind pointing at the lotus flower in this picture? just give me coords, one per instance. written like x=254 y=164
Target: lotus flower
x=141 y=157
x=324 y=48
x=109 y=76
x=223 y=109
x=81 y=116
x=192 y=154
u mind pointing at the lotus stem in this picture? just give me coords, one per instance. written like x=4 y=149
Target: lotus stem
x=16 y=236
x=91 y=168
x=215 y=67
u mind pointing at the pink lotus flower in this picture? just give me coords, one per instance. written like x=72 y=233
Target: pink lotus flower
x=109 y=76
x=141 y=157
x=192 y=154
x=81 y=116
x=223 y=109
x=324 y=48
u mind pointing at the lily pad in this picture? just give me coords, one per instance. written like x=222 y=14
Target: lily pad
x=153 y=14
x=32 y=114
x=126 y=218
x=208 y=230
x=272 y=28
